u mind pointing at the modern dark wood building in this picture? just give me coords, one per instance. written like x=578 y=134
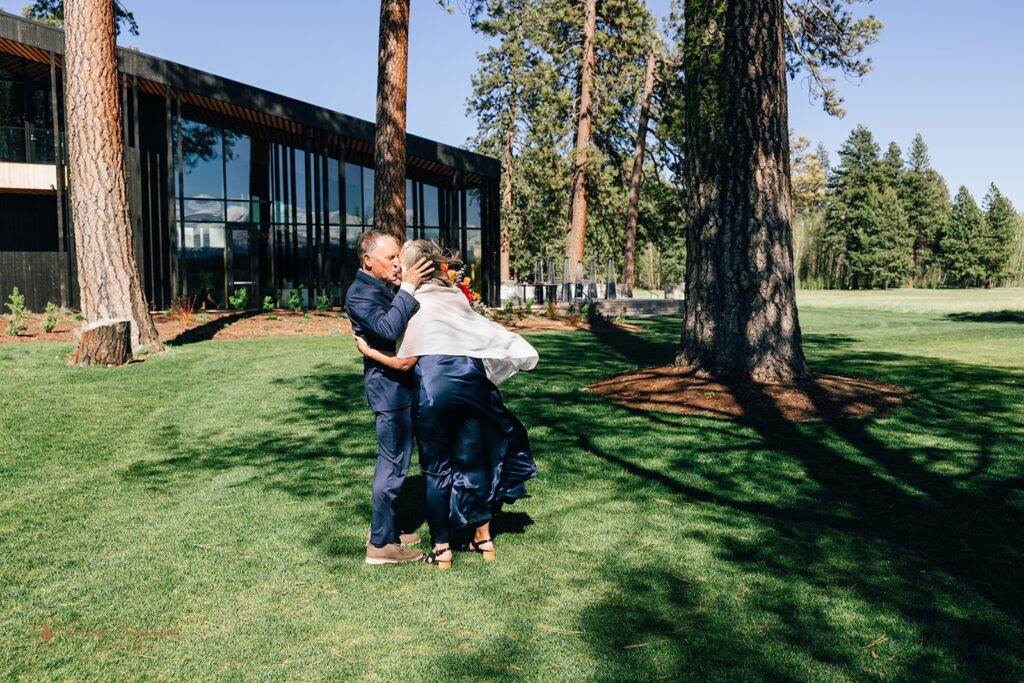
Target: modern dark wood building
x=230 y=186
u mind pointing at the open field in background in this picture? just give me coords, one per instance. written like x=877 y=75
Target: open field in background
x=201 y=515
x=921 y=301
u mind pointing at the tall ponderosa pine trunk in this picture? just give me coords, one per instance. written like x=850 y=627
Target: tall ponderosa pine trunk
x=577 y=234
x=108 y=276
x=505 y=256
x=633 y=208
x=741 y=317
x=389 y=143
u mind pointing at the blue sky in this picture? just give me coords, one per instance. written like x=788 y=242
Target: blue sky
x=949 y=69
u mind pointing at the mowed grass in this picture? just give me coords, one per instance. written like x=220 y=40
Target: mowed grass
x=202 y=516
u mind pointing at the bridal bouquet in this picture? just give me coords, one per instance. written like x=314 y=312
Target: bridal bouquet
x=460 y=280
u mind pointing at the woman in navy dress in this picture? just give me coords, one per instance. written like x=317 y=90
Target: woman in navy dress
x=474 y=453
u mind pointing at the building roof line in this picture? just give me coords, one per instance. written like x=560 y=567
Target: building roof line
x=178 y=76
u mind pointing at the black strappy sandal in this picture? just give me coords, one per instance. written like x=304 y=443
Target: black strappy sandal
x=489 y=555
x=431 y=558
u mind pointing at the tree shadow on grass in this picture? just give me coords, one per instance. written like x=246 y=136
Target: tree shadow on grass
x=908 y=527
x=208 y=330
x=989 y=317
x=323 y=447
x=916 y=519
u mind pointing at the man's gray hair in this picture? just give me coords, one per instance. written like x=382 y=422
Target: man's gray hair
x=369 y=240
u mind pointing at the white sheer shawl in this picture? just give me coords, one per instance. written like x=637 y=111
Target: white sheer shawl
x=445 y=324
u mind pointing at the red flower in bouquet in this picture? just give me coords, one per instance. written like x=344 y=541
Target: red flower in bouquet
x=460 y=280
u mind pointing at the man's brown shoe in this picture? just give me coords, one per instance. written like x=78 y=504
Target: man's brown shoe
x=390 y=554
x=403 y=539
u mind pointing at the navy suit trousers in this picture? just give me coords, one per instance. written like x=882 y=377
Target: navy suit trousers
x=394 y=448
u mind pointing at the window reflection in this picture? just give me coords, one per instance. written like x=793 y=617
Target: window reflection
x=431 y=215
x=333 y=200
x=202 y=166
x=472 y=208
x=239 y=212
x=204 y=209
x=353 y=195
x=300 y=185
x=204 y=257
x=237 y=164
x=473 y=256
x=410 y=203
x=368 y=196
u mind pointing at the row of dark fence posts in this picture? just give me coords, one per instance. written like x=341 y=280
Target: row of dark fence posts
x=548 y=286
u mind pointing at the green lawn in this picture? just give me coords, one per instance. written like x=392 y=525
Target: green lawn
x=220 y=493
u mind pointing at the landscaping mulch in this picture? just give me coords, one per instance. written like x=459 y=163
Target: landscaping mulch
x=252 y=325
x=541 y=323
x=825 y=397
x=214 y=325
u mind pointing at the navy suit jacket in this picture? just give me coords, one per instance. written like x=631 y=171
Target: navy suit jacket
x=379 y=316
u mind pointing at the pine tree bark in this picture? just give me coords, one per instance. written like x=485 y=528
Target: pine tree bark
x=577 y=233
x=108 y=275
x=389 y=141
x=741 y=316
x=505 y=256
x=633 y=208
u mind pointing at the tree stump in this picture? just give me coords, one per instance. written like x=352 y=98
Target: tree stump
x=103 y=342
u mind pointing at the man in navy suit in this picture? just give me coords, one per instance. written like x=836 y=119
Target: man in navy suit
x=379 y=315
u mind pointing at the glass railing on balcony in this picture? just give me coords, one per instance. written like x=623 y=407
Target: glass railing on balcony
x=26 y=144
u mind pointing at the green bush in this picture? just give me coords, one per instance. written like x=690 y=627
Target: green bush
x=50 y=322
x=529 y=307
x=240 y=299
x=268 y=304
x=272 y=317
x=323 y=303
x=295 y=300
x=620 y=317
x=16 y=322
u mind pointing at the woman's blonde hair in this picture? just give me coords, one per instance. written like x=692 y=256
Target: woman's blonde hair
x=414 y=250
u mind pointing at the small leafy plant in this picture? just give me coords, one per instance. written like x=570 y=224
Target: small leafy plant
x=550 y=310
x=620 y=317
x=323 y=303
x=295 y=300
x=16 y=322
x=268 y=304
x=272 y=317
x=50 y=322
x=240 y=299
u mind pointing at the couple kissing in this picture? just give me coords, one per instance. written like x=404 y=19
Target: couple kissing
x=431 y=370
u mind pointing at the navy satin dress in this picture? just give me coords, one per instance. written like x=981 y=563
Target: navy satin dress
x=474 y=453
